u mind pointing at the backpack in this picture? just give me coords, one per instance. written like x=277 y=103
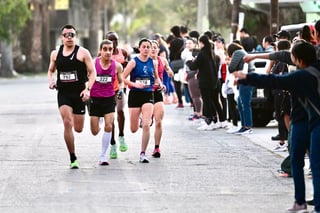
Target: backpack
x=316 y=73
x=286 y=165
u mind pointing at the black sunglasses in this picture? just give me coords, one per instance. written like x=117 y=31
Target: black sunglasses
x=70 y=34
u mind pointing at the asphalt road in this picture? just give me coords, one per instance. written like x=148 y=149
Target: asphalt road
x=207 y=171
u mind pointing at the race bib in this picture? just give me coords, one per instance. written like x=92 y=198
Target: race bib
x=145 y=81
x=104 y=79
x=68 y=76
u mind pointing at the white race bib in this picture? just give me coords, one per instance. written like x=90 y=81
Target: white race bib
x=104 y=79
x=145 y=81
x=68 y=76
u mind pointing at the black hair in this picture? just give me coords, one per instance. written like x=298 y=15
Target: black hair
x=105 y=41
x=111 y=33
x=194 y=34
x=144 y=40
x=317 y=26
x=169 y=38
x=244 y=30
x=183 y=29
x=207 y=48
x=68 y=26
x=233 y=47
x=175 y=30
x=304 y=51
x=283 y=45
x=268 y=38
x=208 y=33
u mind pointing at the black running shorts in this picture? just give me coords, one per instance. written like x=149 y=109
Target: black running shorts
x=138 y=98
x=101 y=106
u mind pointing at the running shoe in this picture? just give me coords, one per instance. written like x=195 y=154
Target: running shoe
x=103 y=161
x=156 y=153
x=283 y=173
x=296 y=208
x=180 y=105
x=280 y=148
x=244 y=131
x=113 y=152
x=310 y=202
x=224 y=124
x=193 y=117
x=123 y=146
x=208 y=127
x=74 y=165
x=143 y=158
x=233 y=130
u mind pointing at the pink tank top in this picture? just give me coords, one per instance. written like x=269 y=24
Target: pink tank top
x=120 y=59
x=103 y=86
x=160 y=68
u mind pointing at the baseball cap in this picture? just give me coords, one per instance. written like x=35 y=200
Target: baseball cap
x=282 y=34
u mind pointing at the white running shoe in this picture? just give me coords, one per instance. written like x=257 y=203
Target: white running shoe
x=224 y=124
x=233 y=129
x=208 y=127
x=280 y=148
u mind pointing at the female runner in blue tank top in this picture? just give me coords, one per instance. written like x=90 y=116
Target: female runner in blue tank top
x=143 y=73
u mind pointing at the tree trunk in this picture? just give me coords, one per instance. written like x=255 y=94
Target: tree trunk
x=32 y=44
x=235 y=18
x=95 y=26
x=6 y=65
x=46 y=34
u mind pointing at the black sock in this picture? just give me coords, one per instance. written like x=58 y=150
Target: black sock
x=142 y=153
x=73 y=157
x=112 y=142
x=156 y=146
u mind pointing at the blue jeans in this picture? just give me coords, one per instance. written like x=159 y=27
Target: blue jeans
x=299 y=140
x=315 y=164
x=244 y=105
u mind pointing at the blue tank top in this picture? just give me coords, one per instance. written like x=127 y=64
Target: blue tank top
x=103 y=86
x=143 y=72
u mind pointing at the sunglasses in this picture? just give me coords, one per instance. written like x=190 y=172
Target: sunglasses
x=70 y=34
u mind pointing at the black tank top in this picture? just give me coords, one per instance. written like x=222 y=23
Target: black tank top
x=72 y=73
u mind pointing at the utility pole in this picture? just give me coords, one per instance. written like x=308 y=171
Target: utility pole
x=274 y=17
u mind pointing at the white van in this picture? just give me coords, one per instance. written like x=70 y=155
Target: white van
x=293 y=29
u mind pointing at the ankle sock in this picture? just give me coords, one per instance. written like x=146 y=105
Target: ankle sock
x=73 y=157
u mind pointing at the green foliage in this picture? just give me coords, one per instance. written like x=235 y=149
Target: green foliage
x=13 y=15
x=147 y=16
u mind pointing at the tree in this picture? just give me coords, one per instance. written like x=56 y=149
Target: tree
x=96 y=22
x=13 y=15
x=34 y=46
x=235 y=18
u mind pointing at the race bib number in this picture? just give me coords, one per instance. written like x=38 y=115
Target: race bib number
x=145 y=81
x=68 y=76
x=104 y=79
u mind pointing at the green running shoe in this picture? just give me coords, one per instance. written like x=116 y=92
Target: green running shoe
x=113 y=152
x=74 y=165
x=123 y=146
